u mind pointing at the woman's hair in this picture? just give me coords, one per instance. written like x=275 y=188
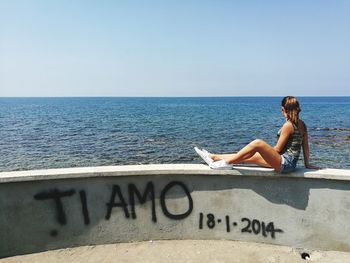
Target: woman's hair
x=292 y=108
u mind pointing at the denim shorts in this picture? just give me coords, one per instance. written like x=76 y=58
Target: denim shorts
x=288 y=163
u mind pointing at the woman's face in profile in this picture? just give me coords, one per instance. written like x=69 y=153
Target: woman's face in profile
x=283 y=112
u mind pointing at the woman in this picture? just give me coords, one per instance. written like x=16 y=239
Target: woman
x=282 y=157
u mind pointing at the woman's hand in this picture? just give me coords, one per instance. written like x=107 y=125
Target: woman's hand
x=309 y=166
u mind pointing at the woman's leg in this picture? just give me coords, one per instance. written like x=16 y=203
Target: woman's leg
x=217 y=157
x=257 y=159
x=257 y=152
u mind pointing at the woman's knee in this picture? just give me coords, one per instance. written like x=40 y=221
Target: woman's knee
x=258 y=143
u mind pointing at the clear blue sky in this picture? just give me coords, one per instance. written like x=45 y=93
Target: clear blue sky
x=174 y=48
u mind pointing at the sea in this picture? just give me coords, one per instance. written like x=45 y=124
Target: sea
x=41 y=133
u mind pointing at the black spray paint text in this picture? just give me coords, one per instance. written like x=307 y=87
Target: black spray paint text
x=118 y=200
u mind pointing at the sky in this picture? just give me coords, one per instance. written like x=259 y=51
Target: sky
x=174 y=48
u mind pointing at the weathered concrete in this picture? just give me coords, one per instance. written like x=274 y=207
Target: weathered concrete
x=51 y=209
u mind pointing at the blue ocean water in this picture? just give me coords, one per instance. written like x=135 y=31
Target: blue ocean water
x=38 y=133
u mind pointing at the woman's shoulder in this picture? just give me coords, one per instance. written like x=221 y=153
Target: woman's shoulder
x=288 y=126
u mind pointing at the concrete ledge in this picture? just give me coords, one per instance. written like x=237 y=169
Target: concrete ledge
x=62 y=208
x=161 y=169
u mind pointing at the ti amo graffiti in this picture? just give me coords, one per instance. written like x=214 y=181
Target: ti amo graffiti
x=149 y=191
x=119 y=201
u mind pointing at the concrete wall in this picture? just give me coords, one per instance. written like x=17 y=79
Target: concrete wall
x=51 y=209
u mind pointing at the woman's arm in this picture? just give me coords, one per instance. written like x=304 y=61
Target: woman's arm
x=306 y=149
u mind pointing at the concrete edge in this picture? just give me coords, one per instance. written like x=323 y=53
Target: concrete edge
x=162 y=169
